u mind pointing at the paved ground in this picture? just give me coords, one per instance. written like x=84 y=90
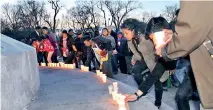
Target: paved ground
x=63 y=89
x=76 y=90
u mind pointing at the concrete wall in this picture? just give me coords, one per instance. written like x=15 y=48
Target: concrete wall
x=19 y=74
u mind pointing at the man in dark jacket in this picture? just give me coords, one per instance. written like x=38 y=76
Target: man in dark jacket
x=122 y=50
x=80 y=48
x=105 y=51
x=34 y=35
x=71 y=32
x=90 y=53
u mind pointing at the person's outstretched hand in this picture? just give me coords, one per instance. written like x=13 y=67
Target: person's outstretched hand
x=130 y=97
x=167 y=39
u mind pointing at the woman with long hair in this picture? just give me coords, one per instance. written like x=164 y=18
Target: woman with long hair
x=143 y=50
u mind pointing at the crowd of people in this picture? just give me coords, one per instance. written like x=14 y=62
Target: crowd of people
x=136 y=51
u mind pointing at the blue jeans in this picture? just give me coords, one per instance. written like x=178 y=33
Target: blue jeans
x=114 y=62
x=182 y=67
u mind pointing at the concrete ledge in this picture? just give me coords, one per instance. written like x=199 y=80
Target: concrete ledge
x=65 y=89
x=19 y=75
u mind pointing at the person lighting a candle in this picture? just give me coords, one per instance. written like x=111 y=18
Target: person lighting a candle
x=132 y=29
x=103 y=49
x=90 y=53
x=193 y=38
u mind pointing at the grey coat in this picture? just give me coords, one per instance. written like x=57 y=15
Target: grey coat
x=146 y=47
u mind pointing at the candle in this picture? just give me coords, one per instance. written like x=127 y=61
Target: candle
x=66 y=65
x=97 y=71
x=115 y=84
x=121 y=100
x=100 y=74
x=86 y=68
x=82 y=67
x=113 y=95
x=117 y=98
x=70 y=66
x=74 y=66
x=110 y=89
x=58 y=65
x=122 y=108
x=62 y=65
x=115 y=89
x=43 y=64
x=104 y=78
x=159 y=38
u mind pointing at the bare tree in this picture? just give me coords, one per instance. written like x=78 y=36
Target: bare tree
x=11 y=14
x=56 y=7
x=84 y=14
x=69 y=21
x=146 y=16
x=169 y=12
x=100 y=5
x=47 y=18
x=32 y=11
x=24 y=15
x=79 y=15
x=120 y=9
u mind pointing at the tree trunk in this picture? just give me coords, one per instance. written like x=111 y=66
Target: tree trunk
x=54 y=22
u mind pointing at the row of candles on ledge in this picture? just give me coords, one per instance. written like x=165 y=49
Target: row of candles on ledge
x=113 y=90
x=119 y=98
x=103 y=76
x=60 y=64
x=84 y=68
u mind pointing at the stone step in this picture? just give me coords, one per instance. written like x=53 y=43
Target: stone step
x=129 y=80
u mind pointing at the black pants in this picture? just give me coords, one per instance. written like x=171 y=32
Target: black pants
x=69 y=59
x=45 y=57
x=40 y=56
x=153 y=79
x=128 y=64
x=54 y=58
x=137 y=70
x=122 y=64
x=185 y=91
x=64 y=58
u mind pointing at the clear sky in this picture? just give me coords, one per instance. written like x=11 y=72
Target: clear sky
x=156 y=6
x=148 y=5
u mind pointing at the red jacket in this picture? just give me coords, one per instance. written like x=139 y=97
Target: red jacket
x=37 y=46
x=48 y=46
